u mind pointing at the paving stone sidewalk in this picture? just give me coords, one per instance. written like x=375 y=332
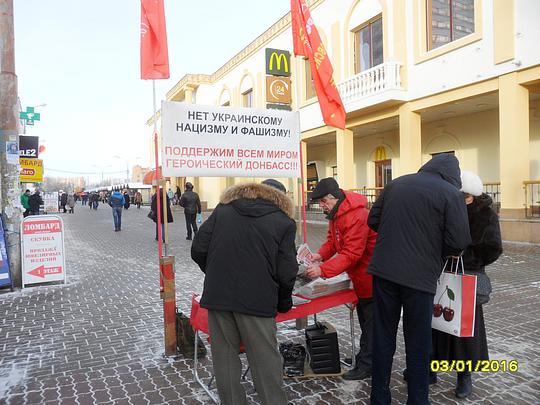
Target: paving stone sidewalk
x=99 y=338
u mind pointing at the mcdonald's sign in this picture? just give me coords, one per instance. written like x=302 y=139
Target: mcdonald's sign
x=278 y=62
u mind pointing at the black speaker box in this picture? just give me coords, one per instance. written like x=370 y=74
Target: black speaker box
x=323 y=348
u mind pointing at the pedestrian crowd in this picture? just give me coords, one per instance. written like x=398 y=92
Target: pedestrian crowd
x=393 y=253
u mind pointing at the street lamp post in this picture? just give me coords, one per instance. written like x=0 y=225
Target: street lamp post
x=127 y=165
x=102 y=168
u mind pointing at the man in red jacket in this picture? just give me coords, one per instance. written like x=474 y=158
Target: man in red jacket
x=349 y=246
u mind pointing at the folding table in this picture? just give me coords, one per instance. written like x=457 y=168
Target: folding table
x=199 y=321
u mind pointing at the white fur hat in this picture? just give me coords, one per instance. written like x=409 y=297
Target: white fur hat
x=471 y=183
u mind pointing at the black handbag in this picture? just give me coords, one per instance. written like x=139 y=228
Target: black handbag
x=185 y=338
x=483 y=287
x=151 y=215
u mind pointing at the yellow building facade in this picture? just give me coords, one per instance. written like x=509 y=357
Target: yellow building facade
x=417 y=78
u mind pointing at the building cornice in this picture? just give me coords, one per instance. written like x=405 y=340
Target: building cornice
x=194 y=80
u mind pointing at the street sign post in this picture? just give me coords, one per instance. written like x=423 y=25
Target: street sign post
x=43 y=257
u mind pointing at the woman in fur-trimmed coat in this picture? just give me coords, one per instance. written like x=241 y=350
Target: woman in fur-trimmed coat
x=485 y=248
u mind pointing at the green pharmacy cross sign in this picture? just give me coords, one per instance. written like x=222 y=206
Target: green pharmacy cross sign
x=29 y=115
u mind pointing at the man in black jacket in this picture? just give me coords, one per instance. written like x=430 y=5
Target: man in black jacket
x=153 y=211
x=420 y=218
x=192 y=206
x=246 y=248
x=35 y=201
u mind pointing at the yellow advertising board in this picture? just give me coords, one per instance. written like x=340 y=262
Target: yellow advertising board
x=31 y=170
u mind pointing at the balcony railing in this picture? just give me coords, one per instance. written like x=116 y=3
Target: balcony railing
x=494 y=191
x=371 y=193
x=373 y=81
x=532 y=198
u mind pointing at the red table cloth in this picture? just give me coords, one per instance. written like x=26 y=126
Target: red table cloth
x=199 y=316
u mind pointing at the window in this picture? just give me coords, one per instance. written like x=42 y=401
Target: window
x=310 y=86
x=369 y=45
x=448 y=20
x=312 y=177
x=247 y=98
x=383 y=173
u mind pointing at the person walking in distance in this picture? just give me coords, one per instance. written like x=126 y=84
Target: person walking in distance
x=178 y=195
x=192 y=206
x=420 y=219
x=35 y=201
x=153 y=209
x=246 y=250
x=127 y=200
x=116 y=201
x=138 y=199
x=348 y=247
x=63 y=201
x=71 y=203
x=24 y=202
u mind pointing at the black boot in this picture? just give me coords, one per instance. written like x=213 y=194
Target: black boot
x=356 y=374
x=464 y=385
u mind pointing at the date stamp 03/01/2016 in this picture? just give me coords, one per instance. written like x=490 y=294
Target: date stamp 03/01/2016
x=481 y=366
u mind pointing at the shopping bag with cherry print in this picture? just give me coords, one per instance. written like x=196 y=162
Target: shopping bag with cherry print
x=455 y=300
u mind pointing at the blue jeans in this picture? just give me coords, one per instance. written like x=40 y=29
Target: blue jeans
x=388 y=298
x=117 y=217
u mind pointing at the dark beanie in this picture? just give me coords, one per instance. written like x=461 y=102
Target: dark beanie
x=326 y=186
x=275 y=184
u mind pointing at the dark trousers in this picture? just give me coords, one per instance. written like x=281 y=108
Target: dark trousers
x=417 y=306
x=191 y=223
x=364 y=310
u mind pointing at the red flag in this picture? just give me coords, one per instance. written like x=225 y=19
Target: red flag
x=154 y=53
x=307 y=42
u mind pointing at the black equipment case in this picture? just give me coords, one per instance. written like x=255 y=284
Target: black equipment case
x=323 y=348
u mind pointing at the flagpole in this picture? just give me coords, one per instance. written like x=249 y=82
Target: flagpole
x=302 y=157
x=304 y=221
x=157 y=177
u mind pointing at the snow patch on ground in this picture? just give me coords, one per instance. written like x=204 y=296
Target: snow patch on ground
x=10 y=378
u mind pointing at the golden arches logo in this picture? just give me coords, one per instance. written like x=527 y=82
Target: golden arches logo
x=279 y=58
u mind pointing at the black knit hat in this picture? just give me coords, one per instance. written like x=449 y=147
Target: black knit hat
x=276 y=184
x=325 y=187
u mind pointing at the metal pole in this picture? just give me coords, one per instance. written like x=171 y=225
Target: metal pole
x=9 y=129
